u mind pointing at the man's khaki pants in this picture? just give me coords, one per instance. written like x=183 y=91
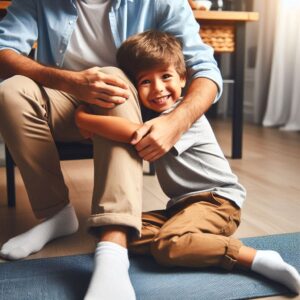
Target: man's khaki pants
x=32 y=117
x=194 y=233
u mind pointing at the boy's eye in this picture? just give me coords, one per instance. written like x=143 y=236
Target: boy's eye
x=166 y=76
x=145 y=81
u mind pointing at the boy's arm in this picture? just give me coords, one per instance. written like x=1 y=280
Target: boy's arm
x=110 y=127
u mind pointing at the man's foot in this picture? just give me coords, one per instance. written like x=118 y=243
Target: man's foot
x=110 y=280
x=271 y=265
x=63 y=223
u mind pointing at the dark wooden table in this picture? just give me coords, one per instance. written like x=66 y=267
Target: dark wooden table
x=225 y=32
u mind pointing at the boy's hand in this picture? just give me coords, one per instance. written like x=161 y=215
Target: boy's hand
x=82 y=109
x=85 y=133
x=156 y=137
x=95 y=87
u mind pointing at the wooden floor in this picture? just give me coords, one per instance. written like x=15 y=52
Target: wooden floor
x=269 y=169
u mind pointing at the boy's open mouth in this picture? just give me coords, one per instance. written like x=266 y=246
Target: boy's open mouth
x=161 y=100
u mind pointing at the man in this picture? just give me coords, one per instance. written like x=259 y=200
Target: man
x=77 y=41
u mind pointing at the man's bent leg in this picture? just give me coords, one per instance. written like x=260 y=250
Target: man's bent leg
x=26 y=114
x=28 y=119
x=118 y=170
x=116 y=207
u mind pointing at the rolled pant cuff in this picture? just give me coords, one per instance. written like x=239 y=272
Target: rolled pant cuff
x=50 y=211
x=116 y=219
x=231 y=255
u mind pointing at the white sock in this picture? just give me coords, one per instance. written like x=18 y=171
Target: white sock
x=63 y=223
x=110 y=280
x=270 y=264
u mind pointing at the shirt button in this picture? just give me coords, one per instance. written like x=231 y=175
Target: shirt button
x=60 y=51
x=57 y=64
x=70 y=22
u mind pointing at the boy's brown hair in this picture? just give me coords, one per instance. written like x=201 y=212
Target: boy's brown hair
x=148 y=50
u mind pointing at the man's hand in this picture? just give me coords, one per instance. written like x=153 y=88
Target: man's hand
x=156 y=137
x=95 y=87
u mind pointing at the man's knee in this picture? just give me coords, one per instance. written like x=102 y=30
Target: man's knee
x=17 y=82
x=130 y=109
x=15 y=99
x=114 y=71
x=13 y=87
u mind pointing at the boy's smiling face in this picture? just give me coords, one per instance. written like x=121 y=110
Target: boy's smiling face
x=159 y=88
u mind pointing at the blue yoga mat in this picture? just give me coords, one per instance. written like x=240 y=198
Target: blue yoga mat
x=67 y=277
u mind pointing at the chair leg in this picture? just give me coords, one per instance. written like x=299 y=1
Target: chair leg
x=10 y=179
x=151 y=169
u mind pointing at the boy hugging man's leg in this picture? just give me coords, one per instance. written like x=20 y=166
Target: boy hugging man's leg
x=205 y=195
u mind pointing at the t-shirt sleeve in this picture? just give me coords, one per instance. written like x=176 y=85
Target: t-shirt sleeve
x=188 y=139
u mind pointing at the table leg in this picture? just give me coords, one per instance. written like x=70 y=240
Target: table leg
x=238 y=92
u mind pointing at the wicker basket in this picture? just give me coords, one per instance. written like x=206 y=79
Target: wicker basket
x=221 y=38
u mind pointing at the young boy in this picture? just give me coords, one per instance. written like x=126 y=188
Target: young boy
x=205 y=196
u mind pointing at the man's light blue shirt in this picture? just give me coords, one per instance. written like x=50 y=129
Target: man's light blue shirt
x=51 y=23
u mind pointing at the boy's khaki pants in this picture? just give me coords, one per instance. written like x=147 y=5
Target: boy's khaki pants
x=33 y=117
x=194 y=233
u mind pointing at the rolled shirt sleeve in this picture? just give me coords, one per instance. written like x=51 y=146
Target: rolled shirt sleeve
x=18 y=29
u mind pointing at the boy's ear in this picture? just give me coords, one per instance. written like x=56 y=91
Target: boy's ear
x=183 y=81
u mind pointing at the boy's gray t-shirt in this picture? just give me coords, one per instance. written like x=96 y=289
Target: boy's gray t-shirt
x=196 y=164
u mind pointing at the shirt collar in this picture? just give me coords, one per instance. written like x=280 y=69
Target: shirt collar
x=117 y=3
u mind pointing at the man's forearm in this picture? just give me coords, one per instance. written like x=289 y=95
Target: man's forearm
x=89 y=85
x=198 y=99
x=12 y=63
x=159 y=135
